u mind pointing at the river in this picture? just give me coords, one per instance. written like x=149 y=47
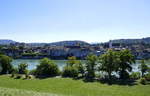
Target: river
x=61 y=63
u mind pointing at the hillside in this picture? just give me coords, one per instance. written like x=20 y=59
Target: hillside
x=6 y=42
x=132 y=41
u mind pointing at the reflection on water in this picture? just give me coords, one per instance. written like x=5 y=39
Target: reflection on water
x=33 y=62
x=61 y=63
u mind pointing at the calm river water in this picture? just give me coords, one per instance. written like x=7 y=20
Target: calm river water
x=61 y=63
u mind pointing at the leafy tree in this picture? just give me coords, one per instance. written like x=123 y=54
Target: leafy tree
x=22 y=68
x=126 y=59
x=5 y=63
x=143 y=67
x=108 y=62
x=47 y=68
x=91 y=61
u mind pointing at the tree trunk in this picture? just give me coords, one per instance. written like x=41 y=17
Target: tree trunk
x=142 y=74
x=109 y=75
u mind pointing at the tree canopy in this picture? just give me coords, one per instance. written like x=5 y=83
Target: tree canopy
x=5 y=64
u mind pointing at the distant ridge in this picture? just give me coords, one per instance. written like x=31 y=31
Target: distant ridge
x=78 y=42
x=61 y=43
x=6 y=42
x=132 y=41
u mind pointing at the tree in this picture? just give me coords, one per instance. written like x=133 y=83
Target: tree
x=5 y=63
x=73 y=68
x=143 y=67
x=22 y=68
x=91 y=61
x=126 y=59
x=108 y=62
x=47 y=68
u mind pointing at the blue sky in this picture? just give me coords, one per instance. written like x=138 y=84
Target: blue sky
x=87 y=20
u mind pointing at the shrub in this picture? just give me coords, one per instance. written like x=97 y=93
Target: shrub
x=13 y=72
x=91 y=62
x=81 y=68
x=12 y=75
x=27 y=76
x=143 y=81
x=147 y=77
x=47 y=68
x=18 y=76
x=143 y=68
x=32 y=72
x=22 y=68
x=135 y=75
x=70 y=71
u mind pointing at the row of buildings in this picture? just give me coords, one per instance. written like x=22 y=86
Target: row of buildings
x=25 y=51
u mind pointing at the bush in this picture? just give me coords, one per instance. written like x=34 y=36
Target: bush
x=80 y=67
x=70 y=71
x=18 y=76
x=32 y=72
x=12 y=75
x=27 y=76
x=47 y=68
x=135 y=75
x=22 y=68
x=147 y=77
x=143 y=81
x=13 y=72
x=124 y=75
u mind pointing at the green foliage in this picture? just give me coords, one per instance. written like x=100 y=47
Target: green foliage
x=32 y=72
x=73 y=68
x=126 y=59
x=22 y=68
x=70 y=71
x=135 y=75
x=147 y=77
x=143 y=81
x=91 y=61
x=108 y=62
x=18 y=76
x=27 y=76
x=5 y=64
x=81 y=68
x=14 y=71
x=71 y=61
x=143 y=68
x=47 y=68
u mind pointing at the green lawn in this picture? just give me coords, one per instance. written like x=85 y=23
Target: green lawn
x=66 y=87
x=20 y=92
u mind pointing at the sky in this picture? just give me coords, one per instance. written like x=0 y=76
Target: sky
x=86 y=20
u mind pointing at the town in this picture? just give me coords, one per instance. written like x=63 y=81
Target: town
x=140 y=48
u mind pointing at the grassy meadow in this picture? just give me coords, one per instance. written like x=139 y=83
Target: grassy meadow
x=67 y=87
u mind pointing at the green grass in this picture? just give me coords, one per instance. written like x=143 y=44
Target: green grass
x=68 y=87
x=18 y=92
